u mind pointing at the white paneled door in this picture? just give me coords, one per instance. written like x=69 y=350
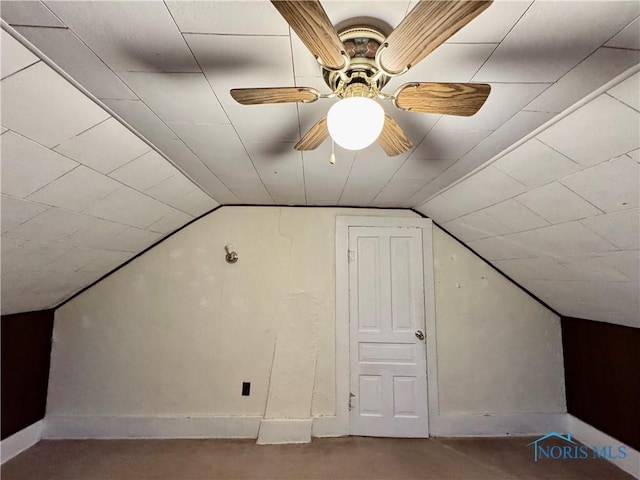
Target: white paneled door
x=388 y=384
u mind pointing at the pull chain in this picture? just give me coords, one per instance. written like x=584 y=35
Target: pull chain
x=332 y=157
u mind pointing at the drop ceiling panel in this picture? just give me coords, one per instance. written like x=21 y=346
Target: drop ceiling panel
x=628 y=91
x=535 y=164
x=77 y=190
x=475 y=226
x=28 y=166
x=254 y=123
x=602 y=129
x=145 y=171
x=619 y=228
x=539 y=268
x=170 y=188
x=29 y=12
x=90 y=260
x=501 y=248
x=31 y=257
x=170 y=222
x=590 y=74
x=236 y=61
x=595 y=184
x=515 y=216
x=195 y=203
x=602 y=267
x=104 y=147
x=15 y=57
x=177 y=97
x=444 y=142
x=323 y=181
x=15 y=212
x=207 y=139
x=52 y=224
x=557 y=204
x=572 y=31
x=233 y=18
x=37 y=89
x=628 y=37
x=76 y=59
x=139 y=38
x=493 y=24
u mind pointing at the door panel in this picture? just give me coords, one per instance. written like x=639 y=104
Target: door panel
x=387 y=360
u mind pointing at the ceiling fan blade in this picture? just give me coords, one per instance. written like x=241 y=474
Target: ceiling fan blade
x=259 y=96
x=311 y=23
x=425 y=28
x=314 y=137
x=392 y=139
x=463 y=99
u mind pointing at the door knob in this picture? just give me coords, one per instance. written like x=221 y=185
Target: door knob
x=419 y=334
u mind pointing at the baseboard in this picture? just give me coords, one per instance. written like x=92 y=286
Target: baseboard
x=497 y=425
x=284 y=430
x=591 y=436
x=20 y=441
x=82 y=427
x=329 y=426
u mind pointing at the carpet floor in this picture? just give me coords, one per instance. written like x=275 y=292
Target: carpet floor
x=324 y=458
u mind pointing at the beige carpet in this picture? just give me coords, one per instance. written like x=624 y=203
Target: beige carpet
x=329 y=458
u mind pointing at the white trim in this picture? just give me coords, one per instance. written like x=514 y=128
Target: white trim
x=20 y=441
x=565 y=113
x=79 y=427
x=284 y=430
x=591 y=436
x=339 y=426
x=495 y=425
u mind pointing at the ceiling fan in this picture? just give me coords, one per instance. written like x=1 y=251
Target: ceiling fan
x=357 y=63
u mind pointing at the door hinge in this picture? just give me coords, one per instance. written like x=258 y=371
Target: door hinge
x=351 y=396
x=351 y=255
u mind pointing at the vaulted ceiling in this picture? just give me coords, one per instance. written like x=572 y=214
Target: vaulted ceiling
x=82 y=193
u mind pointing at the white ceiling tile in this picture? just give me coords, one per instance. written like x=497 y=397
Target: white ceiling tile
x=450 y=62
x=90 y=260
x=239 y=175
x=171 y=188
x=145 y=171
x=52 y=224
x=170 y=222
x=628 y=91
x=361 y=190
x=195 y=203
x=620 y=228
x=29 y=302
x=9 y=244
x=140 y=38
x=105 y=147
x=493 y=24
x=280 y=172
x=15 y=56
x=29 y=12
x=557 y=204
x=28 y=166
x=76 y=59
x=475 y=226
x=572 y=30
x=235 y=18
x=32 y=257
x=634 y=155
x=254 y=123
x=505 y=100
x=142 y=119
x=77 y=190
x=2 y=130
x=236 y=61
x=601 y=267
x=515 y=216
x=41 y=105
x=602 y=129
x=324 y=182
x=628 y=37
x=98 y=234
x=206 y=139
x=177 y=97
x=627 y=262
x=501 y=248
x=129 y=207
x=564 y=239
x=534 y=163
x=15 y=212
x=443 y=142
x=439 y=208
x=539 y=268
x=304 y=64
x=415 y=125
x=391 y=12
x=610 y=186
x=593 y=72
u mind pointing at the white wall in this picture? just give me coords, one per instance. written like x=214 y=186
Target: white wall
x=177 y=331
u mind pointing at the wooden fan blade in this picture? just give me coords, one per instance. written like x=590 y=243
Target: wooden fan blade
x=392 y=139
x=314 y=137
x=259 y=96
x=463 y=99
x=425 y=28
x=311 y=23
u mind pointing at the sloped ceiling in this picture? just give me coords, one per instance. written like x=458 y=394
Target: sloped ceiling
x=166 y=68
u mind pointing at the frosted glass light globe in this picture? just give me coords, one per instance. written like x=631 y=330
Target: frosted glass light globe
x=355 y=123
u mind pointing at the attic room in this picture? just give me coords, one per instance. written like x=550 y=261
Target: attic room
x=302 y=239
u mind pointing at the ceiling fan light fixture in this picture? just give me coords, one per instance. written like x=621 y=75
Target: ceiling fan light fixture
x=355 y=123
